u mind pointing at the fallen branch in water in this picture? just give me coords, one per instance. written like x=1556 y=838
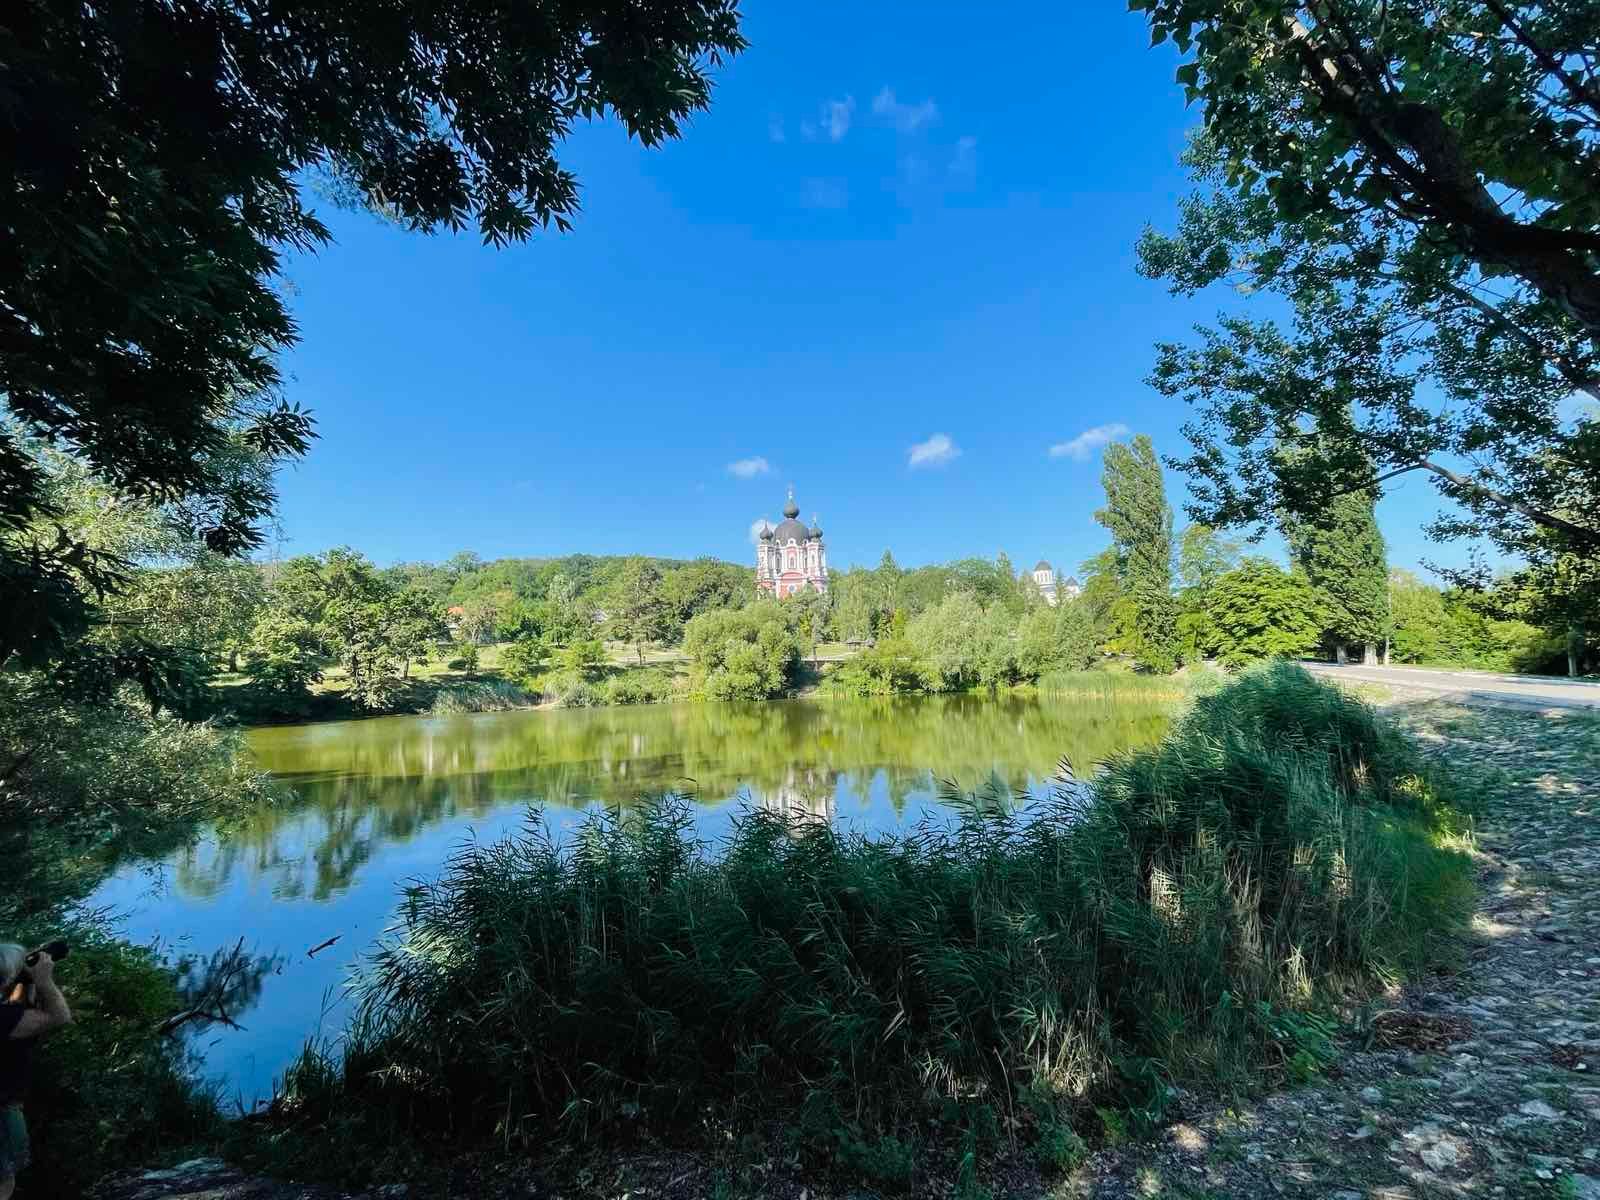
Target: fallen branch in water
x=210 y=1006
x=312 y=953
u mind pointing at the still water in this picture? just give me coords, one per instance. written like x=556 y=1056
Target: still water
x=375 y=804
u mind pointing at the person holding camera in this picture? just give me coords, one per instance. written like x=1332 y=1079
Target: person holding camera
x=30 y=1005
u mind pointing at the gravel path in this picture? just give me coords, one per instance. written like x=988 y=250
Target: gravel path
x=1484 y=687
x=1493 y=1086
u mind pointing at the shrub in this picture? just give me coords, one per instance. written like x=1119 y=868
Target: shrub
x=889 y=668
x=1282 y=843
x=522 y=660
x=742 y=654
x=484 y=695
x=640 y=687
x=574 y=691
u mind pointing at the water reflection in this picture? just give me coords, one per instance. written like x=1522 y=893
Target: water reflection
x=377 y=803
x=375 y=783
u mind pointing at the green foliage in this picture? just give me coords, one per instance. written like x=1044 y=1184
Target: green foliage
x=1341 y=554
x=85 y=786
x=743 y=654
x=582 y=659
x=1056 y=639
x=109 y=1091
x=1259 y=610
x=1140 y=521
x=464 y=656
x=146 y=223
x=481 y=695
x=284 y=655
x=1460 y=628
x=1281 y=842
x=638 y=609
x=640 y=687
x=522 y=660
x=962 y=645
x=1416 y=180
x=889 y=668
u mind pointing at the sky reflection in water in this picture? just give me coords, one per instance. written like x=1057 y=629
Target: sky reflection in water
x=379 y=803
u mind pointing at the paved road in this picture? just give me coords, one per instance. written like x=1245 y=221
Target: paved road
x=1528 y=691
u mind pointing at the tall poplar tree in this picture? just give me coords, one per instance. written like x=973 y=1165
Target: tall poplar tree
x=1342 y=554
x=1140 y=521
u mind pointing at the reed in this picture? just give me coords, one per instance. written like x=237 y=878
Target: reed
x=1182 y=917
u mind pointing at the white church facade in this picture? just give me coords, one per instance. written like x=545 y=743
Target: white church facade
x=1044 y=575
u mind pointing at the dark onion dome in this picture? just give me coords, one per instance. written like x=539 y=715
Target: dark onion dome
x=1041 y=565
x=816 y=530
x=791 y=528
x=766 y=532
x=1072 y=581
x=791 y=509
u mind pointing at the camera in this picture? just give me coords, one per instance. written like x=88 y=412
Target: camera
x=56 y=950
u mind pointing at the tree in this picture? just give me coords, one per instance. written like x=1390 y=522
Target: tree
x=742 y=654
x=522 y=660
x=1469 y=126
x=700 y=586
x=284 y=655
x=1402 y=175
x=637 y=608
x=1341 y=553
x=1061 y=638
x=585 y=658
x=1140 y=521
x=151 y=192
x=1258 y=610
x=357 y=615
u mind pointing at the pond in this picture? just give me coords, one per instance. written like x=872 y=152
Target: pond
x=376 y=804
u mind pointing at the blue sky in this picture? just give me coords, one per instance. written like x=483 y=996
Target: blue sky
x=898 y=228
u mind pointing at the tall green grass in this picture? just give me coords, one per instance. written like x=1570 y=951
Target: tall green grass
x=1166 y=921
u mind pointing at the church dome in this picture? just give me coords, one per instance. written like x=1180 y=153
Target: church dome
x=791 y=509
x=1041 y=565
x=816 y=530
x=766 y=532
x=790 y=528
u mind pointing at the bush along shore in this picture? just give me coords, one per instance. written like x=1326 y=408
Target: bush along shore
x=890 y=1009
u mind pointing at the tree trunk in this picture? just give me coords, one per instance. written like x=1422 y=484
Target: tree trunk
x=1369 y=654
x=1574 y=647
x=233 y=661
x=405 y=671
x=1338 y=654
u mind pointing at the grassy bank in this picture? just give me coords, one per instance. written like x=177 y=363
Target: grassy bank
x=896 y=1009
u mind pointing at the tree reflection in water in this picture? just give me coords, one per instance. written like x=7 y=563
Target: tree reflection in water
x=364 y=785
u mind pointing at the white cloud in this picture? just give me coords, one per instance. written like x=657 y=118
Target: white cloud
x=749 y=468
x=756 y=527
x=964 y=160
x=808 y=130
x=836 y=115
x=935 y=452
x=775 y=129
x=907 y=118
x=1087 y=442
x=824 y=193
